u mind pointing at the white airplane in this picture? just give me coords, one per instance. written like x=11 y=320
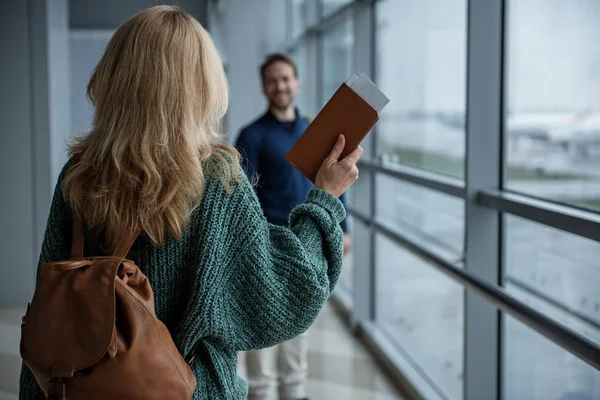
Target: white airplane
x=575 y=132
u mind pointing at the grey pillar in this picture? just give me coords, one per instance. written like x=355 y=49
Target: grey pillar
x=35 y=119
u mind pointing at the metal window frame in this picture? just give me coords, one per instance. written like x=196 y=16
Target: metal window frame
x=483 y=226
x=577 y=221
x=440 y=183
x=364 y=279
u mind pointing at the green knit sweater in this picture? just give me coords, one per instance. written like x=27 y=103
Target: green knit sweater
x=232 y=281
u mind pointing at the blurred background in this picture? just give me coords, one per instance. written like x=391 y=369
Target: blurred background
x=476 y=265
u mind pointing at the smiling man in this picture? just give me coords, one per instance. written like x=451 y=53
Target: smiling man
x=280 y=187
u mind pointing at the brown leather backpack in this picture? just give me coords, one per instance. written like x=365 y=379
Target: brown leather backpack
x=91 y=331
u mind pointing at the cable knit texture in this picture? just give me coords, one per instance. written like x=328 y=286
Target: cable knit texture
x=232 y=281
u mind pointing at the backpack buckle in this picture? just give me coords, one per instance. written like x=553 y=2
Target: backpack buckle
x=57 y=389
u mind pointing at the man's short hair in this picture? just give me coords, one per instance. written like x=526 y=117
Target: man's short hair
x=273 y=58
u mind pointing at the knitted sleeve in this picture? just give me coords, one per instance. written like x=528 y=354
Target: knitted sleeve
x=281 y=277
x=55 y=247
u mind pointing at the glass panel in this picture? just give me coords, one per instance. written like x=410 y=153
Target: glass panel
x=301 y=18
x=304 y=99
x=347 y=274
x=431 y=218
x=555 y=272
x=422 y=310
x=537 y=369
x=338 y=45
x=421 y=66
x=330 y=6
x=553 y=114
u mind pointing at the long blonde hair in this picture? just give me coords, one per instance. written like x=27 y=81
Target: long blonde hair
x=159 y=94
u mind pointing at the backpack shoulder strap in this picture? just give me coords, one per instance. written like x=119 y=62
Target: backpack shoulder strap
x=77 y=244
x=126 y=243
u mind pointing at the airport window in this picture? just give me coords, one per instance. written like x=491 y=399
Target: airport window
x=300 y=15
x=346 y=280
x=431 y=218
x=553 y=103
x=301 y=57
x=414 y=207
x=537 y=369
x=555 y=272
x=330 y=6
x=338 y=51
x=421 y=63
x=422 y=311
x=337 y=46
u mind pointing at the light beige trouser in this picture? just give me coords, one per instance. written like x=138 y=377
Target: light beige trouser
x=279 y=369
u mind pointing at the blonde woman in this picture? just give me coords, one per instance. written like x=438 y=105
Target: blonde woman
x=222 y=276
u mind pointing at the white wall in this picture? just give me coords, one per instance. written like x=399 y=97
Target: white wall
x=245 y=31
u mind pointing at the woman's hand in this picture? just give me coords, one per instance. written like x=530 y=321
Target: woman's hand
x=335 y=176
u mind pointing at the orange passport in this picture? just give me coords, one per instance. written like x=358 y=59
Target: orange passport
x=346 y=113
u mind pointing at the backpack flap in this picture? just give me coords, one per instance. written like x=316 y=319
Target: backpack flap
x=70 y=324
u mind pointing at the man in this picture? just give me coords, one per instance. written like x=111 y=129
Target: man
x=279 y=187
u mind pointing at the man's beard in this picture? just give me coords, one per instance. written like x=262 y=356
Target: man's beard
x=281 y=106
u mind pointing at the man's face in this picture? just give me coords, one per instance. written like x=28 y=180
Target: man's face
x=280 y=85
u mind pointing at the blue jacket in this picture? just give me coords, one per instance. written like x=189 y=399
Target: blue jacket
x=263 y=145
